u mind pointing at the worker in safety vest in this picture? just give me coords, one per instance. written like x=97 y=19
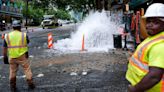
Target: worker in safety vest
x=146 y=66
x=15 y=46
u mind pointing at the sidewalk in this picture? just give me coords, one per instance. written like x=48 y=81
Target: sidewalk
x=23 y=29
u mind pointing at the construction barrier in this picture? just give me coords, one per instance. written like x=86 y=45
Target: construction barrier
x=50 y=41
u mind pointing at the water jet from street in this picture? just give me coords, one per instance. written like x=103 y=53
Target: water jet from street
x=98 y=31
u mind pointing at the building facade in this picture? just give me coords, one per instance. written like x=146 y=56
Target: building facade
x=9 y=11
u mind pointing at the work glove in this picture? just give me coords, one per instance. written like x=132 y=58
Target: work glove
x=5 y=60
x=26 y=54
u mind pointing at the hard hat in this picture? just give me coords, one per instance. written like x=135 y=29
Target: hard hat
x=16 y=23
x=155 y=10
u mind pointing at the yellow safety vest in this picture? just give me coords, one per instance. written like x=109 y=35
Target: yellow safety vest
x=138 y=65
x=16 y=43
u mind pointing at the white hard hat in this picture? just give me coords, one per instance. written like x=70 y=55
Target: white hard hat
x=155 y=10
x=16 y=23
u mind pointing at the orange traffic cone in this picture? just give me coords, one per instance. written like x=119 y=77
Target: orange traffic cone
x=50 y=41
x=83 y=44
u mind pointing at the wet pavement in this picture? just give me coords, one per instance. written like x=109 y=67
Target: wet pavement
x=55 y=71
x=75 y=72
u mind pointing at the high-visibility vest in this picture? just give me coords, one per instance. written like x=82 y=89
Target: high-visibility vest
x=138 y=64
x=16 y=43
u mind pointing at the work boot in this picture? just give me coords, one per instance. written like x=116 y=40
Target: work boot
x=13 y=85
x=31 y=85
x=13 y=89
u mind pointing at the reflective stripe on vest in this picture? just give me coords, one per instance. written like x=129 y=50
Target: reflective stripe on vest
x=22 y=45
x=142 y=66
x=162 y=86
x=142 y=50
x=138 y=60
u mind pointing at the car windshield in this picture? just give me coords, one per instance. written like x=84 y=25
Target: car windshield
x=48 y=18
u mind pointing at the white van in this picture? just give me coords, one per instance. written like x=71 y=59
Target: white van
x=49 y=21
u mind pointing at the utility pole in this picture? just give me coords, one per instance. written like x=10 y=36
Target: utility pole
x=126 y=21
x=26 y=12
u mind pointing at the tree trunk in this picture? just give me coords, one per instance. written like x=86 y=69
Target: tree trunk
x=98 y=5
x=106 y=4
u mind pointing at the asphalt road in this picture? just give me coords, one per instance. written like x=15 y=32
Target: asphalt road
x=75 y=72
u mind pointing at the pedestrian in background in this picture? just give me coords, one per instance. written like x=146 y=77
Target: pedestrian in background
x=146 y=66
x=15 y=47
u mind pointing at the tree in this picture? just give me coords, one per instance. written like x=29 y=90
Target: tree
x=60 y=14
x=41 y=4
x=34 y=14
x=82 y=6
x=59 y=8
x=75 y=5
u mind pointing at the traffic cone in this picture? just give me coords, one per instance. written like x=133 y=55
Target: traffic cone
x=83 y=44
x=50 y=41
x=3 y=36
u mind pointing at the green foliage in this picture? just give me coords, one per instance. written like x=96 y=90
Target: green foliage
x=59 y=8
x=76 y=5
x=60 y=14
x=34 y=14
x=41 y=4
x=82 y=5
x=61 y=4
x=37 y=15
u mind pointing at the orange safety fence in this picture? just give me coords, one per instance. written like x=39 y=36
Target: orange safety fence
x=137 y=35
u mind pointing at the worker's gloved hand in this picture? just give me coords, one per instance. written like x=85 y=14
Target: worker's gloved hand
x=5 y=60
x=26 y=54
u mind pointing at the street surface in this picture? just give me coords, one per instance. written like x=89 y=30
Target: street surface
x=55 y=71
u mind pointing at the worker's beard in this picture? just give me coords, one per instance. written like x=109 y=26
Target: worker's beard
x=150 y=32
x=153 y=32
